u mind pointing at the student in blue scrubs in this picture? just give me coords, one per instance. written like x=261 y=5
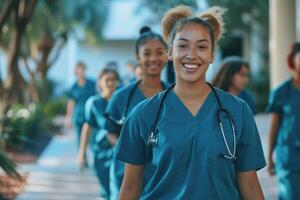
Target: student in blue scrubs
x=284 y=105
x=233 y=77
x=95 y=108
x=177 y=131
x=78 y=95
x=152 y=56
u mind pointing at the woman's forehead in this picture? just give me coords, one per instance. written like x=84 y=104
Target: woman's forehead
x=193 y=31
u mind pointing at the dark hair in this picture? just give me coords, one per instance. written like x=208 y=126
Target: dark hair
x=229 y=67
x=109 y=70
x=294 y=49
x=145 y=35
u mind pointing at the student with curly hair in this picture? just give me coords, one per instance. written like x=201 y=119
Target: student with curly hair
x=202 y=142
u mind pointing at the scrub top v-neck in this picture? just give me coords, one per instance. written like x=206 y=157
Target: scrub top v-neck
x=187 y=158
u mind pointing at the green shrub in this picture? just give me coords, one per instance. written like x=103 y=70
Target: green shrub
x=55 y=106
x=22 y=123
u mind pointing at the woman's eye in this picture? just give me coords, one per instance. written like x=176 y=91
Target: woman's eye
x=202 y=47
x=182 y=46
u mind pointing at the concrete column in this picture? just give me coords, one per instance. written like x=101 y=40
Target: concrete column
x=298 y=20
x=282 y=34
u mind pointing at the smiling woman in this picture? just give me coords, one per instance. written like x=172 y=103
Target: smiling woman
x=152 y=56
x=201 y=141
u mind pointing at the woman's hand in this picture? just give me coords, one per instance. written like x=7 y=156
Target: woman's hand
x=271 y=167
x=81 y=160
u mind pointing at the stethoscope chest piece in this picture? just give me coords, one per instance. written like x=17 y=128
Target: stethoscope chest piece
x=152 y=139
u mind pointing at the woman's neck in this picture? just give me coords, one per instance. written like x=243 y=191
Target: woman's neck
x=234 y=91
x=81 y=81
x=150 y=85
x=296 y=81
x=191 y=91
x=106 y=94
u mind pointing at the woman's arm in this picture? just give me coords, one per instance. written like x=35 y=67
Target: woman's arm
x=112 y=138
x=272 y=140
x=249 y=186
x=85 y=136
x=132 y=182
x=69 y=112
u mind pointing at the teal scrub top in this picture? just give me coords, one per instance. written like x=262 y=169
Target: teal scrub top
x=118 y=102
x=80 y=95
x=285 y=100
x=187 y=162
x=94 y=116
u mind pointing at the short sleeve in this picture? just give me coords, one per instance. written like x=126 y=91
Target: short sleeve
x=250 y=154
x=274 y=103
x=114 y=111
x=131 y=147
x=70 y=93
x=89 y=112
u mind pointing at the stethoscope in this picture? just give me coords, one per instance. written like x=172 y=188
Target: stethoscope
x=120 y=122
x=231 y=155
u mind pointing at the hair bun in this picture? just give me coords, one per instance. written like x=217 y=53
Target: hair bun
x=214 y=16
x=145 y=29
x=170 y=18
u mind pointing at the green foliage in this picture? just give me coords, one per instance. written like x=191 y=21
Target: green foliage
x=260 y=88
x=55 y=106
x=22 y=124
x=8 y=166
x=239 y=11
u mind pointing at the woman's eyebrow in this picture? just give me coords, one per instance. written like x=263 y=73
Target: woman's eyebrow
x=201 y=40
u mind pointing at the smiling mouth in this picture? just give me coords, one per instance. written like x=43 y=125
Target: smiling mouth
x=191 y=67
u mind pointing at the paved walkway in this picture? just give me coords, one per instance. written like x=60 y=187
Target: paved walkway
x=267 y=182
x=56 y=175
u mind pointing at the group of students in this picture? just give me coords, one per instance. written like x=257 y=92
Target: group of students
x=191 y=140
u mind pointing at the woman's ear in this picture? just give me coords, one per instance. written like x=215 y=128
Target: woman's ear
x=170 y=54
x=137 y=57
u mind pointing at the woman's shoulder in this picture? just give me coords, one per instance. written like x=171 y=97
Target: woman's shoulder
x=121 y=94
x=148 y=108
x=227 y=98
x=282 y=88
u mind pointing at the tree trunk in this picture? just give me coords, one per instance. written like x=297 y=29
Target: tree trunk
x=15 y=82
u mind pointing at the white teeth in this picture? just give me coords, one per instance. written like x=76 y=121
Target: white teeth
x=191 y=66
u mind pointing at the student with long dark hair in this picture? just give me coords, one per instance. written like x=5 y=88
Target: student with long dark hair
x=233 y=77
x=152 y=56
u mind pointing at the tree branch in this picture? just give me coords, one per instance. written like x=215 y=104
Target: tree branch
x=61 y=45
x=5 y=12
x=29 y=7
